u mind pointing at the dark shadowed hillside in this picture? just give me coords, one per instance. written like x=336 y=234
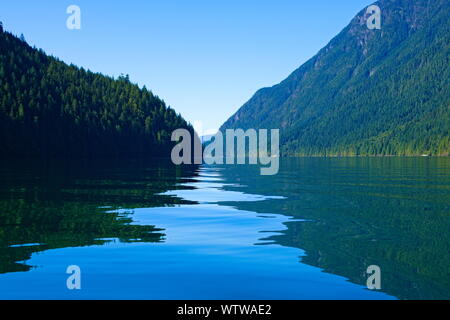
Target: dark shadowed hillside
x=368 y=92
x=48 y=108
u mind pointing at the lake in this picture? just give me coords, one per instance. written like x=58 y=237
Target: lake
x=150 y=230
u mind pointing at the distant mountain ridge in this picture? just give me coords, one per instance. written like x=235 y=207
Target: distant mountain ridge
x=368 y=92
x=51 y=109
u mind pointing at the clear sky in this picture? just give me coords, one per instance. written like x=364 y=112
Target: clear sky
x=204 y=58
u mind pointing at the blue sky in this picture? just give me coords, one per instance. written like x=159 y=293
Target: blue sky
x=204 y=58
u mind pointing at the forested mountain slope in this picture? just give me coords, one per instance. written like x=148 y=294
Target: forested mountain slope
x=368 y=92
x=48 y=108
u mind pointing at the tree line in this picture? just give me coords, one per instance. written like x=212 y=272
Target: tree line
x=51 y=109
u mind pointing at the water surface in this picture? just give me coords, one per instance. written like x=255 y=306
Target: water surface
x=149 y=230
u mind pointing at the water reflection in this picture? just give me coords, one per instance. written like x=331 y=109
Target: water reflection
x=390 y=212
x=53 y=205
x=143 y=230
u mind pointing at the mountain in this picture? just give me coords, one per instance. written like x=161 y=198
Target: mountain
x=368 y=92
x=50 y=109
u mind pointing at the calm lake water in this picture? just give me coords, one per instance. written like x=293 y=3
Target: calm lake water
x=153 y=231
